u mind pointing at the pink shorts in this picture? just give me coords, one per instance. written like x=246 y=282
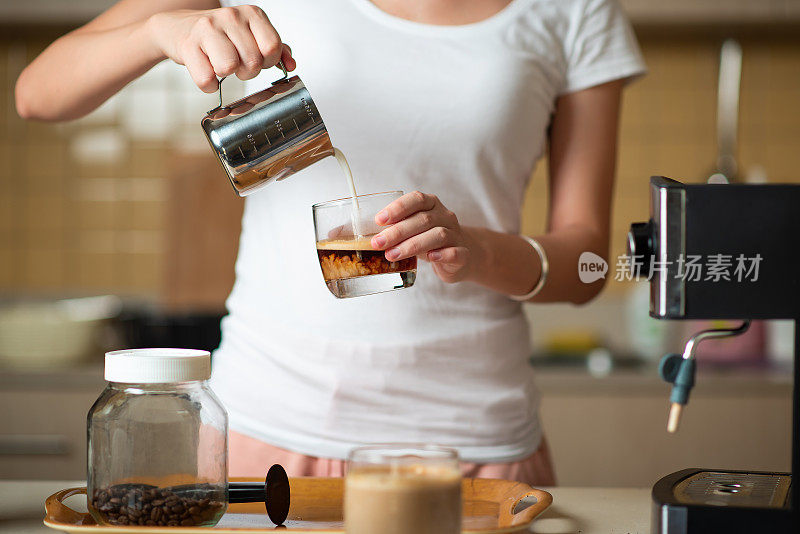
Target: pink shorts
x=250 y=457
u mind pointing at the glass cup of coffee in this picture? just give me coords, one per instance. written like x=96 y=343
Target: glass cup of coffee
x=402 y=489
x=350 y=266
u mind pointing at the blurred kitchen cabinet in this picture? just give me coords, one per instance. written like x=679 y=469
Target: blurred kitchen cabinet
x=612 y=431
x=202 y=235
x=43 y=423
x=675 y=11
x=711 y=12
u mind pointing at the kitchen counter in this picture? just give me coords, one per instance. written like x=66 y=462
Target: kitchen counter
x=574 y=510
x=596 y=511
x=711 y=381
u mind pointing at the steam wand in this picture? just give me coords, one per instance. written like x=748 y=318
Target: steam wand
x=679 y=370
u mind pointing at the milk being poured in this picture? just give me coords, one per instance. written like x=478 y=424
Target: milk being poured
x=355 y=214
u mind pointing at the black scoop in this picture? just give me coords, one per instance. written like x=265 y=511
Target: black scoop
x=274 y=493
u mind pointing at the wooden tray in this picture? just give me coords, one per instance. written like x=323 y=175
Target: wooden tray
x=489 y=508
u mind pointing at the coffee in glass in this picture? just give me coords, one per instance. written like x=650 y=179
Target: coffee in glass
x=402 y=489
x=350 y=266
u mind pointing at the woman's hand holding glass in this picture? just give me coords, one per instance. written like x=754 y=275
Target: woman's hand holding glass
x=418 y=224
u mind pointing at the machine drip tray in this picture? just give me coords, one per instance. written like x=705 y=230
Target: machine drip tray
x=714 y=501
x=719 y=488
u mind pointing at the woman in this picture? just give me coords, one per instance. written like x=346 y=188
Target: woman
x=454 y=101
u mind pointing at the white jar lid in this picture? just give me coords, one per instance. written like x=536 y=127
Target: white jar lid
x=157 y=366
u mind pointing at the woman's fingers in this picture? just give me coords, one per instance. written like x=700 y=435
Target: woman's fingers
x=451 y=262
x=266 y=37
x=405 y=206
x=420 y=225
x=288 y=60
x=343 y=231
x=221 y=53
x=250 y=59
x=200 y=70
x=435 y=238
x=451 y=258
x=406 y=228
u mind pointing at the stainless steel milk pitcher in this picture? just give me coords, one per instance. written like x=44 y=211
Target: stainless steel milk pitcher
x=268 y=135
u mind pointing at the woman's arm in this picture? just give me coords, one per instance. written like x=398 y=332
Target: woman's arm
x=583 y=142
x=82 y=69
x=583 y=155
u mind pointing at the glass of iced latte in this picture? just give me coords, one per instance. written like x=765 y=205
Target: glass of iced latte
x=402 y=489
x=350 y=266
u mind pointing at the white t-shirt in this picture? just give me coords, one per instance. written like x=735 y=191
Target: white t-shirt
x=457 y=111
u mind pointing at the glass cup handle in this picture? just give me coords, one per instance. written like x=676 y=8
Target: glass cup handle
x=280 y=65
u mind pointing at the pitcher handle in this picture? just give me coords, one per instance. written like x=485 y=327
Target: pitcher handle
x=280 y=65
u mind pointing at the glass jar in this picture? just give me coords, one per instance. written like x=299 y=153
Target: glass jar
x=157 y=441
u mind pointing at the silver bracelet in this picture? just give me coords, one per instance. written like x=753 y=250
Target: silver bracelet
x=542 y=277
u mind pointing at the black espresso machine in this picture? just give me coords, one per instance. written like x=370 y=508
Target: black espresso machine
x=745 y=235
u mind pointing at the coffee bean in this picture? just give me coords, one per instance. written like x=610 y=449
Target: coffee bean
x=145 y=505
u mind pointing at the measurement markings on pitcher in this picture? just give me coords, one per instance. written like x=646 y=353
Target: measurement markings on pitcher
x=308 y=109
x=252 y=141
